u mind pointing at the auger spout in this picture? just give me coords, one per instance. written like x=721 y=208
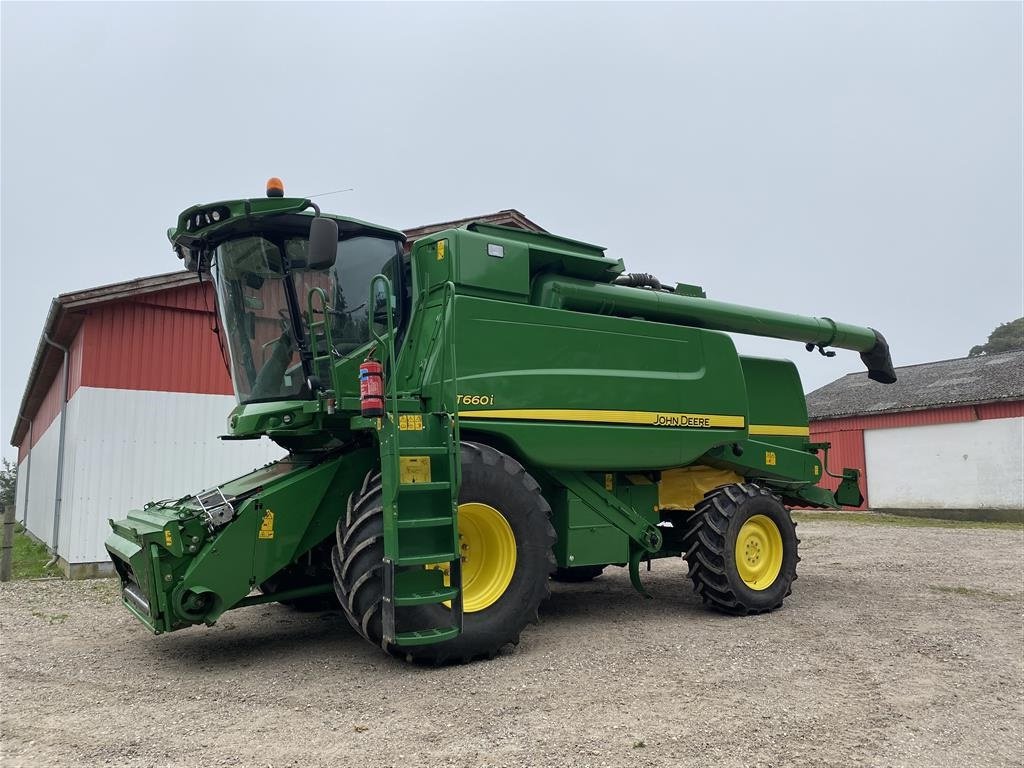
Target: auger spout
x=663 y=306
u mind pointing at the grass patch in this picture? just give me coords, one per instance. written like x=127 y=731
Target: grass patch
x=29 y=557
x=1001 y=597
x=874 y=518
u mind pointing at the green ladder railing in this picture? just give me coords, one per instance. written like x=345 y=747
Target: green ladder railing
x=419 y=482
x=316 y=358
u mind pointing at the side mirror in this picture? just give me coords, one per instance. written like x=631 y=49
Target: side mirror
x=323 y=243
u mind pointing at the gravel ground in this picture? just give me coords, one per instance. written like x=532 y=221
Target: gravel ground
x=899 y=646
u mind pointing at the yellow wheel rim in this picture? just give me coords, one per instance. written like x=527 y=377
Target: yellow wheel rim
x=488 y=550
x=759 y=552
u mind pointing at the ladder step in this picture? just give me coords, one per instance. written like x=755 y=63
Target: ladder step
x=422 y=598
x=422 y=451
x=425 y=522
x=433 y=557
x=438 y=486
x=426 y=636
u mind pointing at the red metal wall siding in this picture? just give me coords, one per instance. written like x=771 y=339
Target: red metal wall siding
x=950 y=415
x=49 y=408
x=77 y=355
x=163 y=343
x=847 y=451
x=199 y=298
x=1001 y=410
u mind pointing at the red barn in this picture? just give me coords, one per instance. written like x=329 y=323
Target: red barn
x=125 y=398
x=945 y=438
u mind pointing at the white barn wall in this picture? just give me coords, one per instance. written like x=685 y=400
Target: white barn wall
x=968 y=465
x=132 y=447
x=20 y=489
x=41 y=485
x=67 y=510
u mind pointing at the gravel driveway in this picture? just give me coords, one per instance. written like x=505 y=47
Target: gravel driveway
x=899 y=646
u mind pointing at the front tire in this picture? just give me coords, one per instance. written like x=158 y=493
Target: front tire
x=491 y=481
x=741 y=549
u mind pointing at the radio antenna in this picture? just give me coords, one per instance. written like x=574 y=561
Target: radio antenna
x=335 y=192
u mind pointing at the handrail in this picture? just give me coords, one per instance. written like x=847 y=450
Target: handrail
x=448 y=343
x=450 y=399
x=328 y=339
x=388 y=344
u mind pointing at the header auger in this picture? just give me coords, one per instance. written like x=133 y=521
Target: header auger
x=495 y=409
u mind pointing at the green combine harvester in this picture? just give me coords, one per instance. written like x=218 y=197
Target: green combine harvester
x=464 y=423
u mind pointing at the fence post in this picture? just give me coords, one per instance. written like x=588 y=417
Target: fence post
x=8 y=545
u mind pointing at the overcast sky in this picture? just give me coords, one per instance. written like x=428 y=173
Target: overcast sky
x=861 y=161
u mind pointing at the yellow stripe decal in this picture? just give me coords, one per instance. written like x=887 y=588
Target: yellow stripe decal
x=779 y=430
x=642 y=418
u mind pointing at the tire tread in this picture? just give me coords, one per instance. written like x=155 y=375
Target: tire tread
x=706 y=547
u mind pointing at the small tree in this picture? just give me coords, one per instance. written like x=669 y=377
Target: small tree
x=1007 y=337
x=8 y=480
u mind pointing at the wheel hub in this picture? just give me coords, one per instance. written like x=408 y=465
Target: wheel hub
x=759 y=552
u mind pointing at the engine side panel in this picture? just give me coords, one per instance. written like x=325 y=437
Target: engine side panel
x=577 y=391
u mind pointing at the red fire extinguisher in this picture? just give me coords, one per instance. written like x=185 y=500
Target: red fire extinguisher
x=371 y=388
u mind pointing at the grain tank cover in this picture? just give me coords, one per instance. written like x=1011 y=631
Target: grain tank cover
x=551 y=253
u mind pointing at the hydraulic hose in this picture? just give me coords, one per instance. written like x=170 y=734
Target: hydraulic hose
x=638 y=280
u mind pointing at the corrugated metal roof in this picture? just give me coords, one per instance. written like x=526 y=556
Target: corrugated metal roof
x=962 y=381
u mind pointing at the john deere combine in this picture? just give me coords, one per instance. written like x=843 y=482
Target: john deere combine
x=463 y=423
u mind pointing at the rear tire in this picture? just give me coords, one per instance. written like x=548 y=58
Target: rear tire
x=490 y=478
x=758 y=577
x=578 y=574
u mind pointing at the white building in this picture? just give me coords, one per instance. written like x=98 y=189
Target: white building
x=946 y=438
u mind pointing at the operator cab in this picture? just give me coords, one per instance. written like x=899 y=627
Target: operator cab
x=264 y=265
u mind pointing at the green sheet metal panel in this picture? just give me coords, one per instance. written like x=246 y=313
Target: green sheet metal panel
x=577 y=391
x=778 y=417
x=584 y=537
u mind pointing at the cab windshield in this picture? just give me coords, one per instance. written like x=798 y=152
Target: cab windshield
x=262 y=283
